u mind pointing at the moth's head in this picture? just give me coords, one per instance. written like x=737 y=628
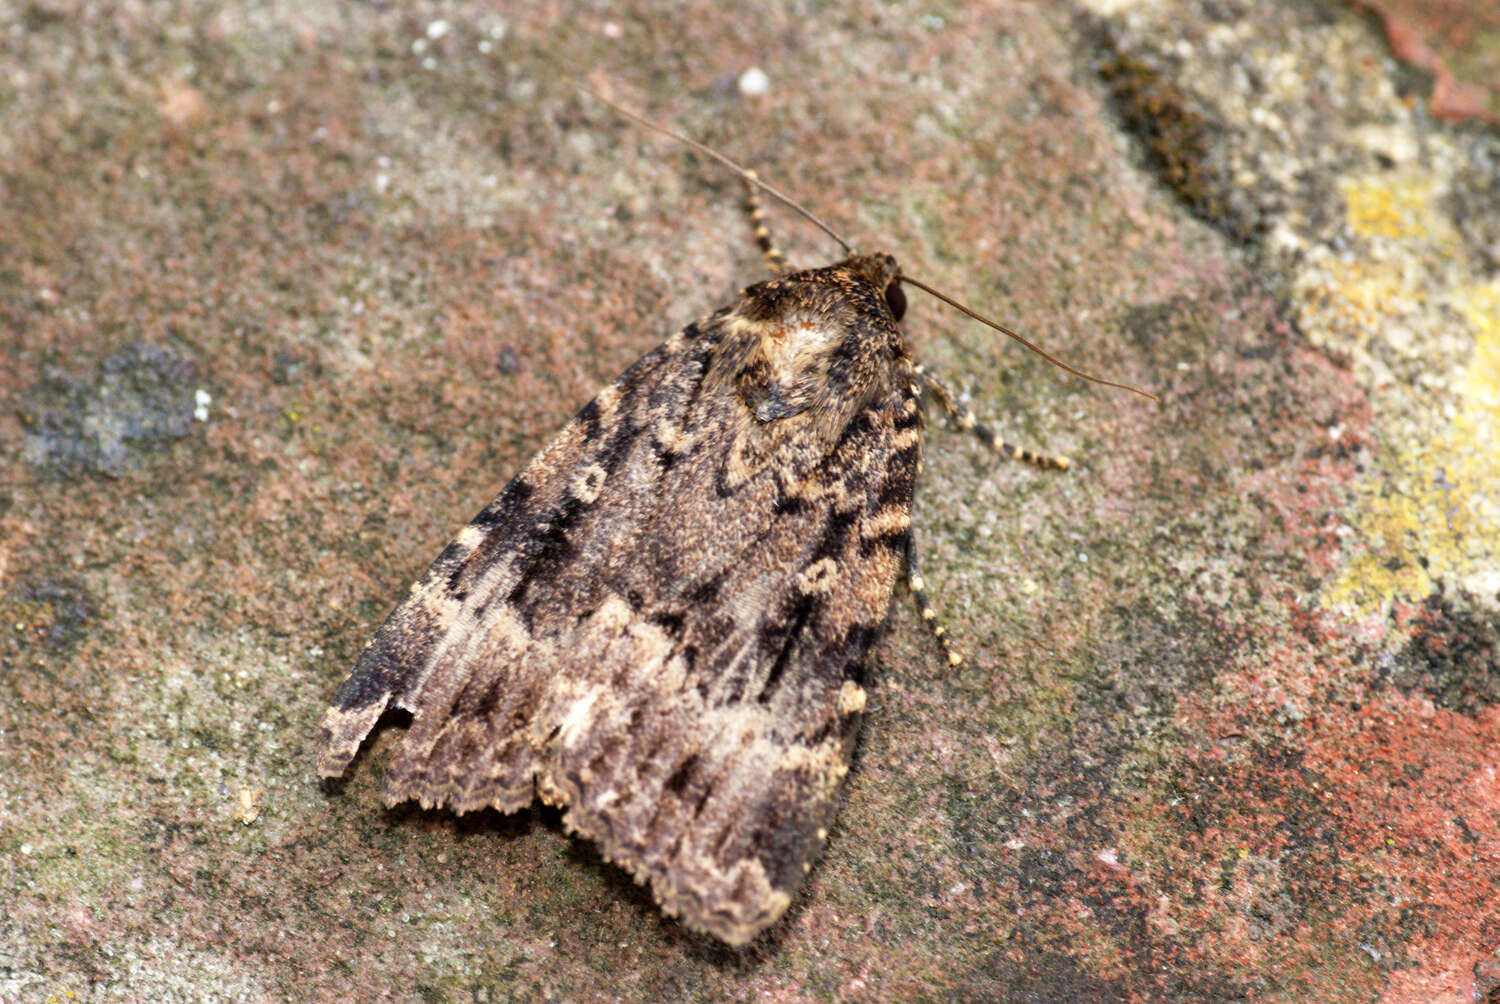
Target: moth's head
x=880 y=271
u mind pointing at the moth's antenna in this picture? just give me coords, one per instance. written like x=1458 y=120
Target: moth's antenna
x=1035 y=348
x=751 y=177
x=743 y=172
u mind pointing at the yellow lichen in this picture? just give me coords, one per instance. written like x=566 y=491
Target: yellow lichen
x=1431 y=509
x=1380 y=207
x=1344 y=302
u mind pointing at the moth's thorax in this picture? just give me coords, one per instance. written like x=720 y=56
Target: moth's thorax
x=820 y=339
x=798 y=340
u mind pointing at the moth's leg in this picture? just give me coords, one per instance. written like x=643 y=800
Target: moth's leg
x=966 y=421
x=918 y=587
x=775 y=260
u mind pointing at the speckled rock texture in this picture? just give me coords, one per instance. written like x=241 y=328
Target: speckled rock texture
x=288 y=292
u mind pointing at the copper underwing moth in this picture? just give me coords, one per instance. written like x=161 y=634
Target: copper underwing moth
x=662 y=625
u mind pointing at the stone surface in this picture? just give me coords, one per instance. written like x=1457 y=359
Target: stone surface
x=1455 y=42
x=1229 y=729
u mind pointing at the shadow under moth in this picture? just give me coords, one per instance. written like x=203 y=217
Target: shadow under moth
x=662 y=625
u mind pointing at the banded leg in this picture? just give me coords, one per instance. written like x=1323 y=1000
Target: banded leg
x=966 y=421
x=918 y=587
x=775 y=260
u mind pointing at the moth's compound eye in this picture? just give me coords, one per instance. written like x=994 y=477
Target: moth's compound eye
x=895 y=298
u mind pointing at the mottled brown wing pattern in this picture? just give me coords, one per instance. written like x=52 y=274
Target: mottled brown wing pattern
x=661 y=625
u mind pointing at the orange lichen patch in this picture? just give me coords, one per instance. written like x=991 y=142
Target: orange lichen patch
x=1436 y=982
x=1322 y=848
x=1245 y=857
x=1415 y=794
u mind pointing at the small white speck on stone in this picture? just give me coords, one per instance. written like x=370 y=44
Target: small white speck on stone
x=754 y=82
x=26 y=850
x=498 y=29
x=429 y=63
x=437 y=29
x=611 y=30
x=486 y=46
x=418 y=46
x=201 y=400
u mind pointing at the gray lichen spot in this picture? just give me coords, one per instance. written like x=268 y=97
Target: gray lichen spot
x=137 y=402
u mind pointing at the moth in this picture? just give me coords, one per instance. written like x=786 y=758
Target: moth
x=663 y=624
